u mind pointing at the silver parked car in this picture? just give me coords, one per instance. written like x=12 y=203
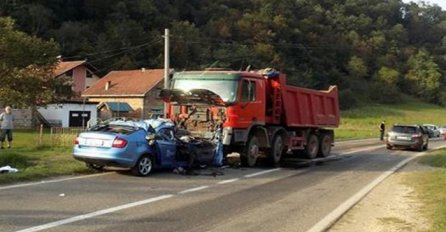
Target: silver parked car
x=407 y=136
x=435 y=131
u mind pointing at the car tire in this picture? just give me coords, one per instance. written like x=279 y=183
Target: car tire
x=389 y=147
x=420 y=148
x=425 y=146
x=143 y=166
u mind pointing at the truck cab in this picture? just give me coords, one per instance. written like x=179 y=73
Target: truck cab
x=258 y=113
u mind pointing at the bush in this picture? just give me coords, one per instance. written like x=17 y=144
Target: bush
x=348 y=99
x=384 y=94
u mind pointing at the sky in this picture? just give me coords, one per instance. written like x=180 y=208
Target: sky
x=441 y=3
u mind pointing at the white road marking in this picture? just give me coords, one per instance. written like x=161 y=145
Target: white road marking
x=194 y=189
x=262 y=172
x=364 y=149
x=95 y=214
x=53 y=181
x=228 y=181
x=331 y=218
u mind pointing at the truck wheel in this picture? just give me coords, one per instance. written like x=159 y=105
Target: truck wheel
x=276 y=151
x=249 y=155
x=143 y=167
x=325 y=146
x=312 y=147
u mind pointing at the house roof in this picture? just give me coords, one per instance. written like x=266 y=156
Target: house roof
x=65 y=66
x=126 y=83
x=116 y=106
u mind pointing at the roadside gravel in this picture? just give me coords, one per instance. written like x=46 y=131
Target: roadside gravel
x=391 y=206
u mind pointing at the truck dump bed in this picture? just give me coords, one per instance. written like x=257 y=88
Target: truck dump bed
x=311 y=108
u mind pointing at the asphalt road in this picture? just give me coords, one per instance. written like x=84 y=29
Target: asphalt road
x=290 y=198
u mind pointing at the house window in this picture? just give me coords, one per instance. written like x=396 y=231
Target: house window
x=89 y=74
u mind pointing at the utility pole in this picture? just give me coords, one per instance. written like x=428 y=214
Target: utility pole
x=166 y=67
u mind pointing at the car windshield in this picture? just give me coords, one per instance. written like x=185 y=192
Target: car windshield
x=405 y=129
x=224 y=87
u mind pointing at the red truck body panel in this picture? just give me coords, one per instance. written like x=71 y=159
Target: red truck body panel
x=311 y=108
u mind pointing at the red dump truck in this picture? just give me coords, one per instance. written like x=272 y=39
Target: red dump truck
x=257 y=113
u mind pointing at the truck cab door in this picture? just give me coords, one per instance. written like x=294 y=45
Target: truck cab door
x=252 y=103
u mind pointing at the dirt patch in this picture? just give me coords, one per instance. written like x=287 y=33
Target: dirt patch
x=391 y=206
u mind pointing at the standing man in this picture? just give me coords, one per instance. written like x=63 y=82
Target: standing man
x=7 y=118
x=382 y=129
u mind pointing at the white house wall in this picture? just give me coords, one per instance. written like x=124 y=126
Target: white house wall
x=60 y=112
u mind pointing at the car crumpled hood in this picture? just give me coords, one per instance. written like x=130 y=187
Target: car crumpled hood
x=193 y=96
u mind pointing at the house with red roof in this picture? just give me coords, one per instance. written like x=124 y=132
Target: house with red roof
x=128 y=93
x=75 y=112
x=79 y=73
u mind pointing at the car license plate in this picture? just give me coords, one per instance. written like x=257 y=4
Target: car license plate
x=403 y=138
x=94 y=142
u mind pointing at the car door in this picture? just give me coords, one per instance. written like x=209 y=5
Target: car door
x=166 y=147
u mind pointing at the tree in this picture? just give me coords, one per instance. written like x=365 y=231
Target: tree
x=423 y=76
x=26 y=68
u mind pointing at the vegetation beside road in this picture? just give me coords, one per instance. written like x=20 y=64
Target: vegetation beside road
x=363 y=122
x=38 y=158
x=430 y=187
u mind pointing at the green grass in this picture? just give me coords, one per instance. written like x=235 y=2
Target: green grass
x=431 y=189
x=38 y=157
x=363 y=122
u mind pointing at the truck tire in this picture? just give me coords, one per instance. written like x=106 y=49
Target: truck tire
x=312 y=147
x=250 y=152
x=325 y=146
x=276 y=150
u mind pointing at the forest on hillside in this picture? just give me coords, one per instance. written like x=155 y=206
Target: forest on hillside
x=374 y=50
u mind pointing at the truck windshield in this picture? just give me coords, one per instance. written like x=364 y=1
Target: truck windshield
x=226 y=89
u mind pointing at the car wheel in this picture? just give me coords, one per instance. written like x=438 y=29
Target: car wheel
x=95 y=167
x=143 y=167
x=420 y=148
x=249 y=155
x=389 y=147
x=425 y=146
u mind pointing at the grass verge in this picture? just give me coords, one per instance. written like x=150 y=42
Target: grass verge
x=36 y=158
x=431 y=189
x=363 y=122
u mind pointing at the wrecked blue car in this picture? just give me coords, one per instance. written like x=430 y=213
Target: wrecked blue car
x=143 y=145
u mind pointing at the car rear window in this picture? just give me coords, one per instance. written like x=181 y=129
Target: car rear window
x=404 y=129
x=121 y=129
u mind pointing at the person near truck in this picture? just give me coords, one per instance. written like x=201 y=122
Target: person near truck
x=6 y=119
x=382 y=129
